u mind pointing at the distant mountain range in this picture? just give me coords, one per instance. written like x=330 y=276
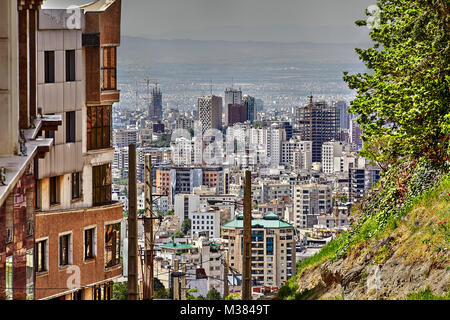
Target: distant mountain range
x=142 y=50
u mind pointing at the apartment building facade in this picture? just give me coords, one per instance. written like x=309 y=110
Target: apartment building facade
x=273 y=248
x=310 y=201
x=22 y=143
x=77 y=223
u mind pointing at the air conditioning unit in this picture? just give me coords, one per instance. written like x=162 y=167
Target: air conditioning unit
x=9 y=235
x=30 y=228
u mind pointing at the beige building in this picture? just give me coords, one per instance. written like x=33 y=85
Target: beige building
x=273 y=248
x=310 y=201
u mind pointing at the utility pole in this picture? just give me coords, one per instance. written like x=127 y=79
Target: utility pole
x=226 y=290
x=148 y=229
x=183 y=282
x=247 y=263
x=132 y=225
x=176 y=282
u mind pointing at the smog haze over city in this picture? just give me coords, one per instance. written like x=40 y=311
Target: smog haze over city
x=278 y=51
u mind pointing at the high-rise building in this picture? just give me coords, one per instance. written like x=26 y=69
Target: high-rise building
x=276 y=137
x=155 y=107
x=344 y=116
x=310 y=201
x=273 y=248
x=355 y=134
x=361 y=180
x=232 y=96
x=318 y=122
x=124 y=137
x=237 y=113
x=77 y=222
x=210 y=112
x=250 y=103
x=331 y=150
x=296 y=154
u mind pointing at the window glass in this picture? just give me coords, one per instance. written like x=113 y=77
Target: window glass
x=98 y=127
x=30 y=275
x=49 y=65
x=64 y=243
x=112 y=245
x=70 y=65
x=41 y=252
x=9 y=278
x=70 y=126
x=89 y=235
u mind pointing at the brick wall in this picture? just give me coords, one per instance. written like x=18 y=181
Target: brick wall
x=51 y=224
x=21 y=243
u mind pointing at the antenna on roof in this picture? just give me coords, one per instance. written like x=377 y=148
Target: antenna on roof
x=310 y=99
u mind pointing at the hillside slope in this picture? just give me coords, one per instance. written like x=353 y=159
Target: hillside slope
x=397 y=247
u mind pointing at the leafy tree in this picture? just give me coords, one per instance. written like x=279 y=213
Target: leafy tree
x=191 y=297
x=120 y=291
x=213 y=294
x=160 y=290
x=403 y=103
x=178 y=235
x=186 y=226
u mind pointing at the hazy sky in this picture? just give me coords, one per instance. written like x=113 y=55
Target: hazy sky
x=242 y=20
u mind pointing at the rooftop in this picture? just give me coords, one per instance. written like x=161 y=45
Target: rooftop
x=177 y=246
x=269 y=221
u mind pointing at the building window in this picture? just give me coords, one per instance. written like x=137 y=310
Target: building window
x=70 y=65
x=9 y=278
x=54 y=190
x=76 y=185
x=70 y=126
x=30 y=275
x=49 y=65
x=89 y=243
x=108 y=72
x=98 y=127
x=112 y=245
x=41 y=256
x=64 y=249
x=101 y=184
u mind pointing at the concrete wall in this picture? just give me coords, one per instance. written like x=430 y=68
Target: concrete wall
x=61 y=97
x=9 y=103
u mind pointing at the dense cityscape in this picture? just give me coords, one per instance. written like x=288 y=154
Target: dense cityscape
x=69 y=191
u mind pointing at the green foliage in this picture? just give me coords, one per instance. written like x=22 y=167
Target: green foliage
x=160 y=291
x=403 y=103
x=170 y=213
x=387 y=206
x=186 y=226
x=213 y=294
x=123 y=182
x=178 y=235
x=381 y=209
x=191 y=297
x=427 y=294
x=235 y=296
x=120 y=291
